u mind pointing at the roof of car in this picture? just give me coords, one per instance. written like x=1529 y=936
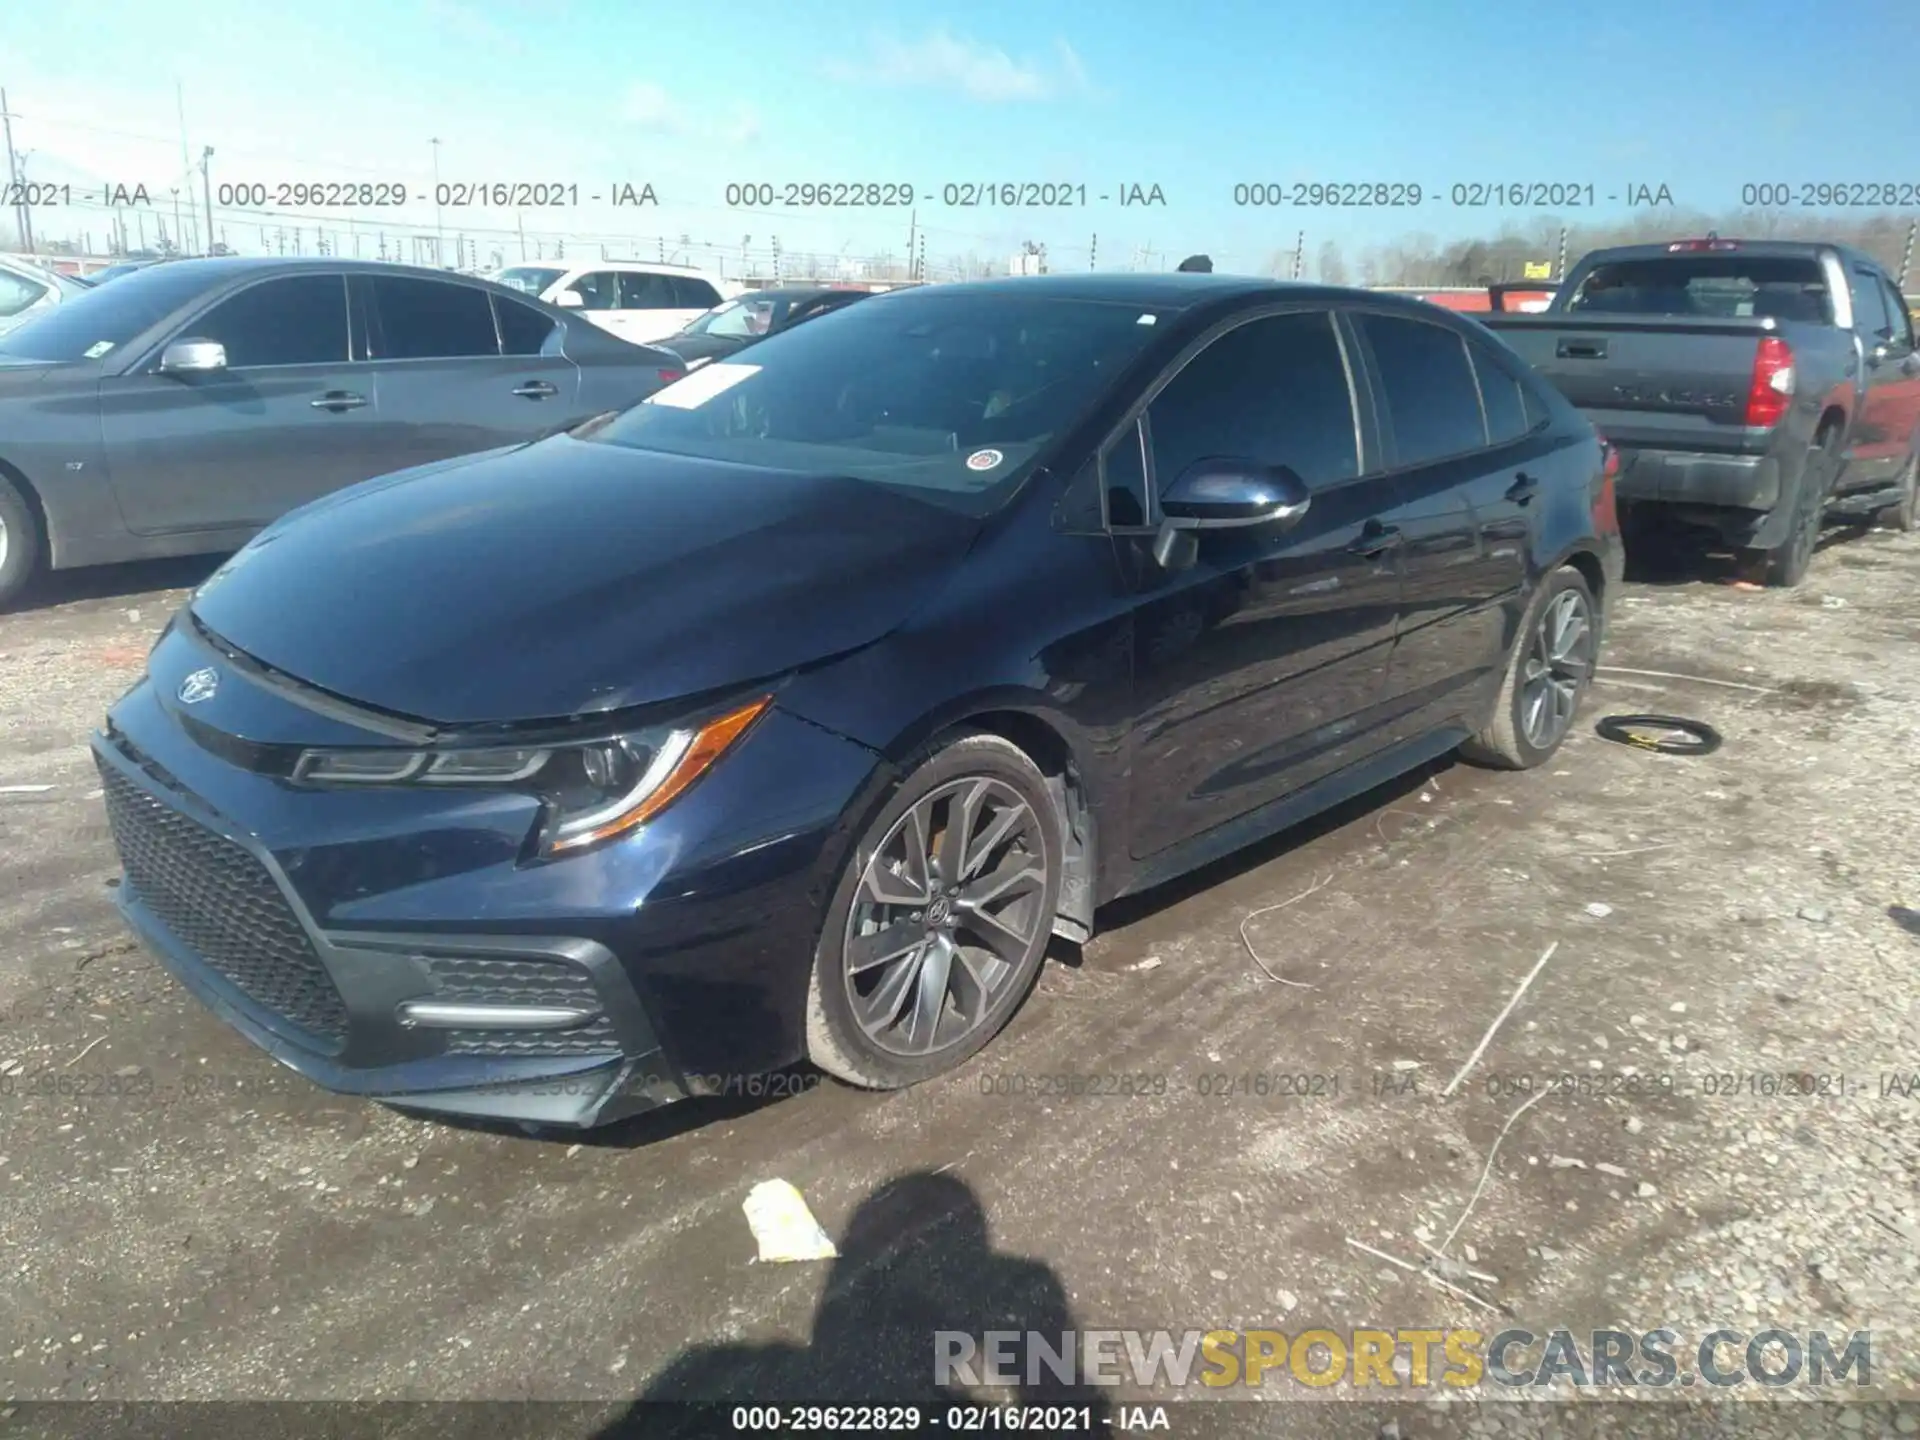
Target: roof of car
x=1164 y=290
x=224 y=267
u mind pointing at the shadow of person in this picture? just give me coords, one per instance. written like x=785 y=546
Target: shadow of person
x=916 y=1260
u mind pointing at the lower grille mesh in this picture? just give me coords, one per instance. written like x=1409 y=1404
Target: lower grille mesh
x=220 y=902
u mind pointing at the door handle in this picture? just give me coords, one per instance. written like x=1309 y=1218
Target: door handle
x=536 y=390
x=1374 y=539
x=338 y=400
x=1523 y=489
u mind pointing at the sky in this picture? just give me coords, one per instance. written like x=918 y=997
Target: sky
x=1700 y=96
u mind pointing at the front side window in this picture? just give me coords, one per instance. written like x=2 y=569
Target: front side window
x=533 y=279
x=1433 y=404
x=1275 y=391
x=299 y=320
x=430 y=320
x=692 y=294
x=598 y=290
x=1870 y=315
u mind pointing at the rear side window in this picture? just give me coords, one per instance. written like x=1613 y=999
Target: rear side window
x=300 y=320
x=428 y=320
x=1274 y=390
x=1502 y=396
x=647 y=292
x=17 y=292
x=1433 y=404
x=691 y=294
x=523 y=329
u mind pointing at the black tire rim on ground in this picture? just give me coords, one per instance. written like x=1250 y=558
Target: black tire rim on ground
x=945 y=916
x=1702 y=739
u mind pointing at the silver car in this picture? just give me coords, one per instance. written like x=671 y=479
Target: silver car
x=181 y=408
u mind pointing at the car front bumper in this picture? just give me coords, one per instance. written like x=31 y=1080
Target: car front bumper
x=669 y=964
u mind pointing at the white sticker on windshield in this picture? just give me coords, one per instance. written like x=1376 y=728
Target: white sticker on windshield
x=98 y=348
x=1148 y=320
x=700 y=386
x=984 y=459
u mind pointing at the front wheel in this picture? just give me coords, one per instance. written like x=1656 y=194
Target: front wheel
x=940 y=920
x=1547 y=675
x=19 y=541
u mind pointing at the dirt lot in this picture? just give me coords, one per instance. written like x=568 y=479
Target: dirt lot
x=194 y=1223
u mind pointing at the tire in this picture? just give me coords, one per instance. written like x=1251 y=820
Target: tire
x=1904 y=514
x=1787 y=564
x=19 y=541
x=861 y=1024
x=1546 y=652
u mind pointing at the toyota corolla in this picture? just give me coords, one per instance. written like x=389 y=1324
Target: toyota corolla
x=788 y=715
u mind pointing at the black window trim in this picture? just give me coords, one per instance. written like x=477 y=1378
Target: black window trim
x=1476 y=348
x=486 y=293
x=1876 y=283
x=149 y=361
x=1136 y=415
x=1389 y=441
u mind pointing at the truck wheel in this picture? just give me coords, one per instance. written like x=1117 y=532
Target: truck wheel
x=19 y=541
x=1904 y=513
x=1788 y=564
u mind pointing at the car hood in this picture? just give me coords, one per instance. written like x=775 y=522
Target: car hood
x=571 y=577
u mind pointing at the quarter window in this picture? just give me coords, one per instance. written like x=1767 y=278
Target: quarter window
x=523 y=329
x=1501 y=394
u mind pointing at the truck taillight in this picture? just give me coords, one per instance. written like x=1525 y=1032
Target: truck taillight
x=1771 y=389
x=1606 y=511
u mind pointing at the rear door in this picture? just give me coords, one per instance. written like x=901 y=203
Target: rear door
x=1464 y=511
x=444 y=386
x=292 y=417
x=1890 y=406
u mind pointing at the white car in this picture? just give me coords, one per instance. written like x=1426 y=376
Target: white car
x=28 y=291
x=637 y=300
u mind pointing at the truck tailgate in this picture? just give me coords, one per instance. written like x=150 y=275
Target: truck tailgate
x=1647 y=380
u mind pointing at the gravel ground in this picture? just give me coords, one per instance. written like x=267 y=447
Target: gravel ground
x=1730 y=997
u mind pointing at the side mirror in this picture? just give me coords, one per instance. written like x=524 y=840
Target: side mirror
x=193 y=357
x=1225 y=494
x=570 y=300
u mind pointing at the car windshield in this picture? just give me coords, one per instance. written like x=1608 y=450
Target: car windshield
x=533 y=279
x=748 y=316
x=948 y=391
x=1725 y=287
x=96 y=322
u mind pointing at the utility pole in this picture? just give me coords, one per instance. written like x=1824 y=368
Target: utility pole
x=913 y=242
x=186 y=169
x=520 y=224
x=1906 y=260
x=439 y=234
x=206 y=189
x=1093 y=254
x=179 y=235
x=23 y=213
x=1299 y=255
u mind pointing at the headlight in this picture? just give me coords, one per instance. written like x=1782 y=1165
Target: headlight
x=594 y=790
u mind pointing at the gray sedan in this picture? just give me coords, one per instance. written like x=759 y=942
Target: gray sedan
x=183 y=407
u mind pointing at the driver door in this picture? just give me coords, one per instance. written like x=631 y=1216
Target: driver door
x=1260 y=669
x=291 y=417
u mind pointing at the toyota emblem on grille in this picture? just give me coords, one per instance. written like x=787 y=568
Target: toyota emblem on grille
x=199 y=686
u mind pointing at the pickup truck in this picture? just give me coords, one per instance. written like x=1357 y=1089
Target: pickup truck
x=1753 y=388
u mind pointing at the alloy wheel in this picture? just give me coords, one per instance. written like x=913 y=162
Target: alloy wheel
x=946 y=915
x=1559 y=660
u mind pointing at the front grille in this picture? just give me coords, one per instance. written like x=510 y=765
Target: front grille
x=220 y=902
x=494 y=980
